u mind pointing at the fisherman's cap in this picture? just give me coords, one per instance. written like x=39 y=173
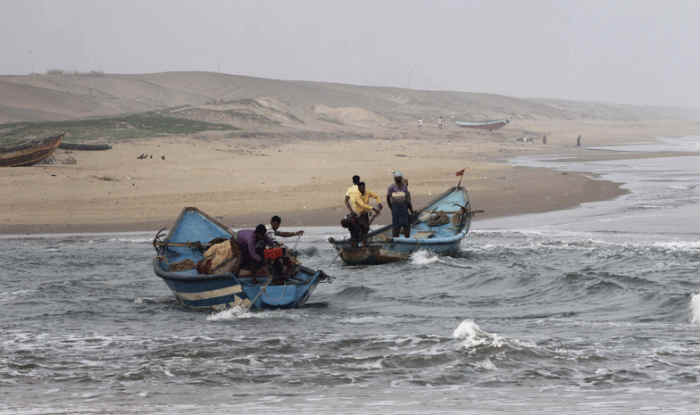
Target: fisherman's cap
x=397 y=173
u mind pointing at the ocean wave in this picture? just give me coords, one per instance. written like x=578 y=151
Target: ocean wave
x=678 y=245
x=479 y=342
x=368 y=319
x=155 y=300
x=581 y=242
x=355 y=292
x=239 y=313
x=308 y=251
x=473 y=336
x=423 y=257
x=232 y=313
x=10 y=296
x=695 y=309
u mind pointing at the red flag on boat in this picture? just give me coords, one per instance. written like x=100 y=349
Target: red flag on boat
x=460 y=173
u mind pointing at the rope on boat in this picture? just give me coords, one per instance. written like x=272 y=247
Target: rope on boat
x=158 y=242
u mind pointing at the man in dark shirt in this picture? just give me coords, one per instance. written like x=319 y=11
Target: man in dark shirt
x=399 y=200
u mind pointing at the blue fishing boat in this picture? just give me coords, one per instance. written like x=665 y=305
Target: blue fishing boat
x=439 y=227
x=185 y=243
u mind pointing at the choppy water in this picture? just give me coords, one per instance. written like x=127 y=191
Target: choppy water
x=590 y=310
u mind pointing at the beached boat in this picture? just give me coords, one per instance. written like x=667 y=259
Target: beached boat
x=85 y=147
x=485 y=125
x=29 y=152
x=439 y=227
x=193 y=230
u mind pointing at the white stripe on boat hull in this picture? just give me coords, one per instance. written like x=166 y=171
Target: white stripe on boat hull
x=205 y=295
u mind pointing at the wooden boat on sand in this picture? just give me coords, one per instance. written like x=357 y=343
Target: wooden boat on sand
x=192 y=231
x=439 y=227
x=29 y=152
x=84 y=147
x=485 y=125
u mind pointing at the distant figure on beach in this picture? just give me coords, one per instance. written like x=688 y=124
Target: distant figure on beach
x=544 y=139
x=441 y=123
x=275 y=223
x=420 y=123
x=399 y=200
x=578 y=141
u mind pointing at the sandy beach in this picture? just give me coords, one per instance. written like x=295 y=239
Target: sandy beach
x=243 y=149
x=245 y=181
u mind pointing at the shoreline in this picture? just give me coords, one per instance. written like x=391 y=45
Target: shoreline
x=580 y=189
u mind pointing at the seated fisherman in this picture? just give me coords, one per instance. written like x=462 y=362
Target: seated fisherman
x=252 y=245
x=275 y=223
x=359 y=203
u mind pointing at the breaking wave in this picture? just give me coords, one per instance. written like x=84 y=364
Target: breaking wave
x=472 y=335
x=423 y=257
x=695 y=308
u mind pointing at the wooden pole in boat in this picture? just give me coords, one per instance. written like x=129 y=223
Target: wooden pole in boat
x=264 y=287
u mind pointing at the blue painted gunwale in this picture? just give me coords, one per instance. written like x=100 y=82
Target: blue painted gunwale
x=383 y=248
x=221 y=291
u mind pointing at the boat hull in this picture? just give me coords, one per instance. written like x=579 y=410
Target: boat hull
x=392 y=252
x=484 y=125
x=221 y=291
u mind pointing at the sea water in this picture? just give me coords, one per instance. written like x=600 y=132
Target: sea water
x=589 y=310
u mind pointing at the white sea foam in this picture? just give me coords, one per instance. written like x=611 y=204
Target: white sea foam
x=238 y=312
x=423 y=257
x=131 y=240
x=367 y=319
x=473 y=336
x=695 y=308
x=486 y=364
x=679 y=245
x=232 y=313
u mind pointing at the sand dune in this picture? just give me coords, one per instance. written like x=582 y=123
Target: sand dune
x=76 y=96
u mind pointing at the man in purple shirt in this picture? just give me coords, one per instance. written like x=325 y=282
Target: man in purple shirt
x=252 y=244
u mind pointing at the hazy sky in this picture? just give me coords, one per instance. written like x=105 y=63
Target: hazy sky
x=637 y=52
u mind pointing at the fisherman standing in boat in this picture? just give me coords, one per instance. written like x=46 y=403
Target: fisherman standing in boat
x=362 y=205
x=399 y=200
x=350 y=221
x=351 y=191
x=358 y=221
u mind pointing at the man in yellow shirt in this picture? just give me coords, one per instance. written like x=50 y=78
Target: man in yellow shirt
x=360 y=208
x=351 y=191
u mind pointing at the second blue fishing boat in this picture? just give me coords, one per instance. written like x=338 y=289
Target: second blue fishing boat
x=439 y=227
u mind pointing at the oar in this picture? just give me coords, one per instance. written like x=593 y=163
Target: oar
x=379 y=211
x=259 y=294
